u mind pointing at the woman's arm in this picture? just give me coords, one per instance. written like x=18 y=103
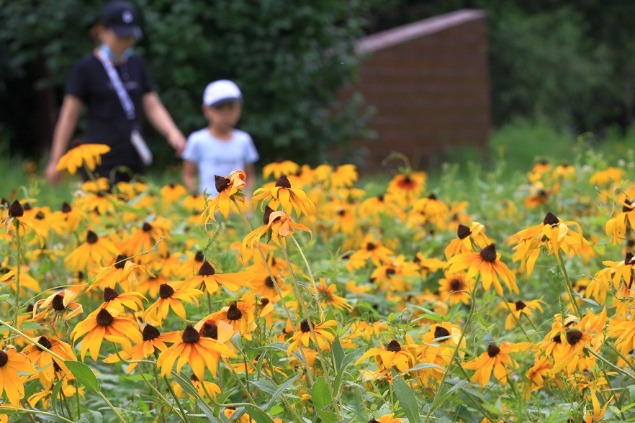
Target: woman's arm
x=66 y=124
x=162 y=121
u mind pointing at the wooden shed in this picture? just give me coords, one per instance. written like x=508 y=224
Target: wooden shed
x=429 y=85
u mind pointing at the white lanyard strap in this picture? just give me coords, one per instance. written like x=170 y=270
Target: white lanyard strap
x=124 y=98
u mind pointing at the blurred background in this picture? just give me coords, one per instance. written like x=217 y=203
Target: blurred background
x=536 y=75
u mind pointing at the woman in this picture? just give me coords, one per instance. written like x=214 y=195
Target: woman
x=115 y=86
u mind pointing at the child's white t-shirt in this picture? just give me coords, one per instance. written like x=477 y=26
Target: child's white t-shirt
x=217 y=157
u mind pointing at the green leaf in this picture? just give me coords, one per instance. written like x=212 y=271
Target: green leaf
x=257 y=414
x=321 y=396
x=55 y=393
x=407 y=400
x=83 y=374
x=279 y=392
x=338 y=353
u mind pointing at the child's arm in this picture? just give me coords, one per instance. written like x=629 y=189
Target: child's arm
x=189 y=176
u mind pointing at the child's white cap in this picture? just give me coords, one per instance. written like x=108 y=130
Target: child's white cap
x=220 y=92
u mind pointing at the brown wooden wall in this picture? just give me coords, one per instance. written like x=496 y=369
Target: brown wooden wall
x=429 y=84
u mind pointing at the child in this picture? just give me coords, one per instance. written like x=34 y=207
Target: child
x=219 y=149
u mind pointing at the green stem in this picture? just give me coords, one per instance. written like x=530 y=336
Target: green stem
x=311 y=278
x=515 y=317
x=477 y=404
x=567 y=283
x=178 y=403
x=16 y=322
x=112 y=407
x=433 y=405
x=608 y=363
x=619 y=353
x=43 y=413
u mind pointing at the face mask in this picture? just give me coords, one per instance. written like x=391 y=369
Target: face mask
x=107 y=52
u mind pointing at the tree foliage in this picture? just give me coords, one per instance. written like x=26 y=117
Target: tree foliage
x=290 y=60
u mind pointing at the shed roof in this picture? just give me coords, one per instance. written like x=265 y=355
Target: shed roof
x=391 y=37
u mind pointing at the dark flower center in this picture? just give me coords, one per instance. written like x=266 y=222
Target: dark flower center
x=146 y=227
x=441 y=332
x=341 y=212
x=150 y=332
x=110 y=294
x=390 y=271
x=265 y=216
x=557 y=339
x=221 y=183
x=91 y=237
x=393 y=346
x=407 y=180
x=104 y=318
x=455 y=284
x=190 y=335
x=206 y=269
x=372 y=421
x=233 y=313
x=120 y=262
x=209 y=330
x=43 y=341
x=573 y=336
x=370 y=246
x=628 y=206
x=550 y=219
x=489 y=253
x=269 y=282
x=628 y=258
x=305 y=326
x=4 y=358
x=493 y=350
x=66 y=208
x=16 y=210
x=283 y=182
x=432 y=197
x=39 y=215
x=380 y=198
x=520 y=305
x=264 y=301
x=463 y=231
x=165 y=291
x=199 y=257
x=27 y=206
x=58 y=302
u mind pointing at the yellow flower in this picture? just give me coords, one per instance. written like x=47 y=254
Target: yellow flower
x=171 y=298
x=200 y=352
x=282 y=195
x=456 y=288
x=61 y=304
x=279 y=168
x=96 y=251
x=211 y=282
x=327 y=296
x=88 y=155
x=240 y=315
x=496 y=359
x=520 y=308
x=487 y=265
x=229 y=188
x=45 y=361
x=122 y=271
x=152 y=341
x=369 y=250
x=302 y=335
x=12 y=362
x=16 y=217
x=100 y=325
x=468 y=240
x=606 y=176
x=619 y=226
x=393 y=355
x=278 y=225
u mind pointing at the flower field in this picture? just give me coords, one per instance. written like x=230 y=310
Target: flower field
x=321 y=298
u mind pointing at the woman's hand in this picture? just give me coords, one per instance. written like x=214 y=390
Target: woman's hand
x=52 y=174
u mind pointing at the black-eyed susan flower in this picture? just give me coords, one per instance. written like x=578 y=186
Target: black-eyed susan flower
x=240 y=315
x=70 y=216
x=10 y=274
x=200 y=352
x=392 y=355
x=229 y=188
x=496 y=359
x=171 y=297
x=539 y=372
x=552 y=233
x=172 y=194
x=327 y=297
x=123 y=272
x=344 y=176
x=102 y=324
x=211 y=282
x=427 y=265
x=278 y=225
x=149 y=237
x=12 y=364
x=386 y=418
x=279 y=168
x=468 y=239
x=455 y=288
x=283 y=195
x=407 y=186
x=17 y=219
x=303 y=337
x=47 y=363
x=596 y=414
x=114 y=300
x=152 y=341
x=88 y=155
x=370 y=250
x=619 y=226
x=95 y=252
x=203 y=387
x=262 y=284
x=518 y=309
x=60 y=305
x=610 y=175
x=487 y=265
